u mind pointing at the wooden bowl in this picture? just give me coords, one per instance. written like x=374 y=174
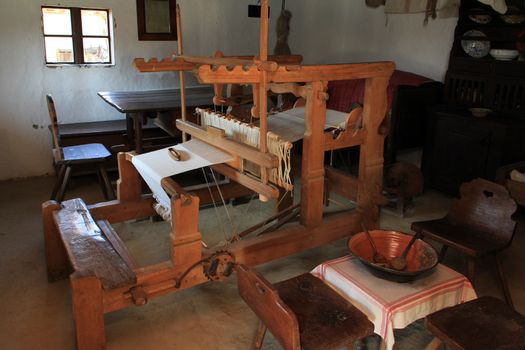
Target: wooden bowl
x=421 y=259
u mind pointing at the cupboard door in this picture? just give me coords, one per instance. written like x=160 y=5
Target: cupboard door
x=459 y=153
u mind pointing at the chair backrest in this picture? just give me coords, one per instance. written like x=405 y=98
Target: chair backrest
x=264 y=300
x=485 y=206
x=54 y=121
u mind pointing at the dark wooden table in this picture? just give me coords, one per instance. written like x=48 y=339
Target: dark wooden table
x=138 y=105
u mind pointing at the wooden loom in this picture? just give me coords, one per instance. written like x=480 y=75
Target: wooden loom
x=105 y=276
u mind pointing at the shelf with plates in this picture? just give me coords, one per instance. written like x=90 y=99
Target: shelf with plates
x=486 y=66
x=462 y=143
x=482 y=33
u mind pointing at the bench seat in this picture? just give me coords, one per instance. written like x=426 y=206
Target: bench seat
x=100 y=262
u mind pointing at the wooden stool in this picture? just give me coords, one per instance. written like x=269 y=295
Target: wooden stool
x=302 y=312
x=484 y=323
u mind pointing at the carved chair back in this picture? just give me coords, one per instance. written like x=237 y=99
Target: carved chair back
x=264 y=300
x=485 y=207
x=54 y=122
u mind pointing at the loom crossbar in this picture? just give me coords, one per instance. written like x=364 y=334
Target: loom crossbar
x=216 y=139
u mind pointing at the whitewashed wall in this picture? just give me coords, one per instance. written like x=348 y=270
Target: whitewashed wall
x=322 y=30
x=349 y=31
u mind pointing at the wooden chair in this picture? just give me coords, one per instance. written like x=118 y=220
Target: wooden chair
x=302 y=312
x=481 y=324
x=67 y=157
x=478 y=224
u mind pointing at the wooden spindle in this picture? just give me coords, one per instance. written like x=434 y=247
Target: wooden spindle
x=181 y=73
x=263 y=103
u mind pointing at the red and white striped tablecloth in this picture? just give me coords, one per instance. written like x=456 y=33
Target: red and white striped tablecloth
x=389 y=304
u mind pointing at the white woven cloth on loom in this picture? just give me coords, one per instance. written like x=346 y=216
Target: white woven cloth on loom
x=284 y=128
x=290 y=125
x=156 y=165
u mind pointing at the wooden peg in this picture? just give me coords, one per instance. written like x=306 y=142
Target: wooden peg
x=174 y=154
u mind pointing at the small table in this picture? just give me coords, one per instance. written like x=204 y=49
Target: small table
x=392 y=305
x=137 y=104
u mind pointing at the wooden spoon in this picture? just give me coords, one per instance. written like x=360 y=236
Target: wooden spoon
x=377 y=258
x=400 y=262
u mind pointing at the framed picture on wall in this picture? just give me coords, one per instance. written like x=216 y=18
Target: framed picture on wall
x=157 y=20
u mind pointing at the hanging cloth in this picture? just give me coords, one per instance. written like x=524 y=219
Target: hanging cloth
x=498 y=5
x=283 y=30
x=431 y=8
x=374 y=3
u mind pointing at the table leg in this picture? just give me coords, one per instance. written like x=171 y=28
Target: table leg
x=137 y=130
x=435 y=344
x=129 y=131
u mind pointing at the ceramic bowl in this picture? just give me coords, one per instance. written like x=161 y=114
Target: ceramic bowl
x=480 y=112
x=479 y=16
x=475 y=48
x=421 y=258
x=504 y=55
x=513 y=15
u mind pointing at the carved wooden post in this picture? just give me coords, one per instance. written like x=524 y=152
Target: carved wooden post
x=312 y=170
x=129 y=185
x=185 y=235
x=371 y=152
x=88 y=311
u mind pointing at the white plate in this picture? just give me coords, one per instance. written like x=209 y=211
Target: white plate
x=475 y=48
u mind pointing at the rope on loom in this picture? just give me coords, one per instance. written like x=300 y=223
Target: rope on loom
x=234 y=227
x=165 y=213
x=214 y=204
x=250 y=135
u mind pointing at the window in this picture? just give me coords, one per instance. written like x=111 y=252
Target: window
x=75 y=35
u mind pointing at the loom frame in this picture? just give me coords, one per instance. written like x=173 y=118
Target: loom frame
x=312 y=230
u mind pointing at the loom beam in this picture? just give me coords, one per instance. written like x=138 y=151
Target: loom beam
x=176 y=64
x=218 y=139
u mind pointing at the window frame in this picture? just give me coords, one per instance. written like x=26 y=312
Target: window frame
x=77 y=36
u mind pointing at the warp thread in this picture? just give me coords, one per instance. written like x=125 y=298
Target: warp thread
x=249 y=134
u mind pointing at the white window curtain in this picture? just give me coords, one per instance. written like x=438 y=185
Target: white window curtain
x=443 y=8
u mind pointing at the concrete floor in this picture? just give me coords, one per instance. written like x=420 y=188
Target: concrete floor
x=37 y=314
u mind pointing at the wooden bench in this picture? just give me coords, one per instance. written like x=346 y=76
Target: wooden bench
x=98 y=258
x=484 y=323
